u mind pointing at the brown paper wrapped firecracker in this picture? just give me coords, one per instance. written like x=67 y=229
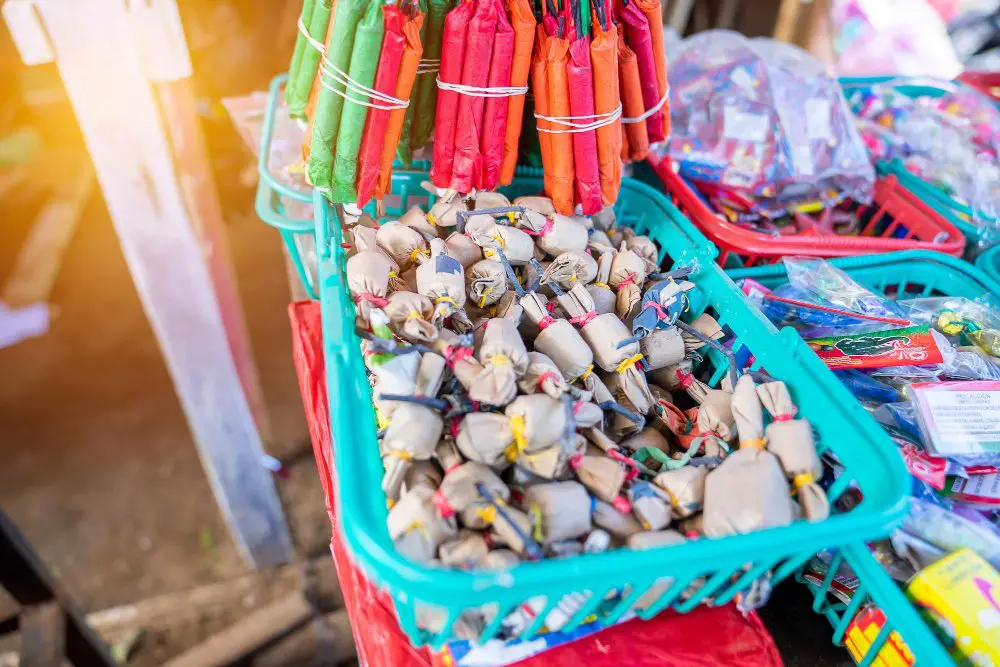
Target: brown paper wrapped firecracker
x=416 y=527
x=442 y=279
x=716 y=425
x=491 y=236
x=685 y=380
x=552 y=462
x=504 y=359
x=619 y=524
x=410 y=317
x=791 y=440
x=467 y=551
x=464 y=249
x=603 y=476
x=542 y=376
x=444 y=211
x=600 y=291
x=424 y=473
x=554 y=234
x=459 y=493
x=563 y=510
x=642 y=246
x=404 y=245
x=368 y=272
x=650 y=504
x=662 y=347
x=459 y=357
x=485 y=200
x=417 y=220
x=557 y=338
x=485 y=437
x=707 y=325
x=412 y=435
x=686 y=488
x=569 y=268
x=486 y=282
x=748 y=491
x=539 y=204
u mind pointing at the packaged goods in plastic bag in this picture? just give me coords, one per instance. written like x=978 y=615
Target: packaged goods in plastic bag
x=763 y=118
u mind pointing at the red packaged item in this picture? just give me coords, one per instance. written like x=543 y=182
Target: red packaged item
x=373 y=138
x=581 y=105
x=706 y=636
x=640 y=41
x=491 y=141
x=467 y=162
x=456 y=25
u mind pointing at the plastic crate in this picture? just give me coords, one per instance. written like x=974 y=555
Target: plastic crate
x=989 y=263
x=900 y=275
x=958 y=213
x=898 y=220
x=729 y=565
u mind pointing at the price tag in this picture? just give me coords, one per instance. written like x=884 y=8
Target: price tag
x=959 y=417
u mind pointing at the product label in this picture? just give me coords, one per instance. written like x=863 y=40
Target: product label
x=818 y=124
x=861 y=634
x=960 y=417
x=923 y=466
x=745 y=125
x=978 y=490
x=909 y=346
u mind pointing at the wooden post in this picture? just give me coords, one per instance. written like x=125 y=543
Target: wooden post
x=108 y=53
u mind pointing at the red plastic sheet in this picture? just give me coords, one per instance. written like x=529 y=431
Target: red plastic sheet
x=705 y=637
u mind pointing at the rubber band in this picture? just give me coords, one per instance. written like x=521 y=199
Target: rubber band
x=785 y=417
x=475 y=91
x=802 y=479
x=649 y=112
x=313 y=42
x=574 y=127
x=388 y=102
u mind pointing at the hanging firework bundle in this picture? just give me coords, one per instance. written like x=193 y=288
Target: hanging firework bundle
x=643 y=75
x=476 y=85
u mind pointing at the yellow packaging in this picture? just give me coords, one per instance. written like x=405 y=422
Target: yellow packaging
x=961 y=594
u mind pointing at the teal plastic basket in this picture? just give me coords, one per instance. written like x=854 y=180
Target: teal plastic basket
x=958 y=213
x=728 y=565
x=988 y=262
x=908 y=274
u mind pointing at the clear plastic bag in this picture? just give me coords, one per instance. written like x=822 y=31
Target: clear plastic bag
x=763 y=117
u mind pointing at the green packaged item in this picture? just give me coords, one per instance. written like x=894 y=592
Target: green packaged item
x=326 y=117
x=301 y=85
x=364 y=62
x=301 y=44
x=424 y=106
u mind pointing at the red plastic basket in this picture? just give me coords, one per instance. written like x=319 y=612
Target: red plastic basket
x=897 y=220
x=987 y=82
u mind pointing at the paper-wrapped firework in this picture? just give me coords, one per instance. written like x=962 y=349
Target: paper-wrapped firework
x=600 y=290
x=504 y=359
x=662 y=348
x=444 y=212
x=486 y=282
x=421 y=473
x=706 y=325
x=564 y=509
x=554 y=234
x=492 y=236
x=410 y=317
x=442 y=279
x=685 y=487
x=487 y=200
x=716 y=424
x=558 y=339
x=650 y=504
x=570 y=268
x=467 y=551
x=543 y=376
x=404 y=244
x=603 y=476
x=748 y=490
x=416 y=219
x=412 y=435
x=628 y=273
x=791 y=440
x=459 y=493
x=459 y=357
x=368 y=275
x=530 y=424
x=643 y=246
x=464 y=249
x=416 y=527
x=619 y=524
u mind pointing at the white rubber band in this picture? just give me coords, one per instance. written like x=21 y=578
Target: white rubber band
x=574 y=127
x=473 y=91
x=315 y=43
x=383 y=102
x=649 y=112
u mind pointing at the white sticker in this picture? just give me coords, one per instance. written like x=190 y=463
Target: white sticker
x=744 y=126
x=960 y=421
x=818 y=123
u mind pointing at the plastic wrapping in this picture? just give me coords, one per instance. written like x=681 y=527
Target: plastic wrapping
x=763 y=118
x=709 y=636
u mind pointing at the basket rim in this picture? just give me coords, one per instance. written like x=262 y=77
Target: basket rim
x=745 y=241
x=368 y=543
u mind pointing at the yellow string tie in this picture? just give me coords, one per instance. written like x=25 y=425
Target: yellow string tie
x=802 y=479
x=501 y=360
x=414 y=315
x=417 y=252
x=499 y=240
x=482 y=300
x=758 y=443
x=487 y=514
x=431 y=218
x=535 y=512
x=511 y=217
x=393 y=274
x=586 y=374
x=390 y=503
x=400 y=454
x=597 y=284
x=418 y=525
x=445 y=299
x=573 y=278
x=381 y=419
x=628 y=363
x=520 y=441
x=670 y=494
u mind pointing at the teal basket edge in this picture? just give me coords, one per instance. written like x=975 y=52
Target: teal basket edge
x=958 y=213
x=949 y=276
x=989 y=263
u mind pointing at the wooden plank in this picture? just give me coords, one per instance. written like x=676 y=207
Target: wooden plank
x=242 y=639
x=99 y=60
x=43 y=636
x=38 y=261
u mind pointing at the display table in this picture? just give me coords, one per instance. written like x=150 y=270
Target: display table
x=706 y=636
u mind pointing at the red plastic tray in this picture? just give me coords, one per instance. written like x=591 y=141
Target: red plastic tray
x=988 y=82
x=708 y=637
x=899 y=218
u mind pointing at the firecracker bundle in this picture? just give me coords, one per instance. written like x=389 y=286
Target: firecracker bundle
x=538 y=392
x=642 y=65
